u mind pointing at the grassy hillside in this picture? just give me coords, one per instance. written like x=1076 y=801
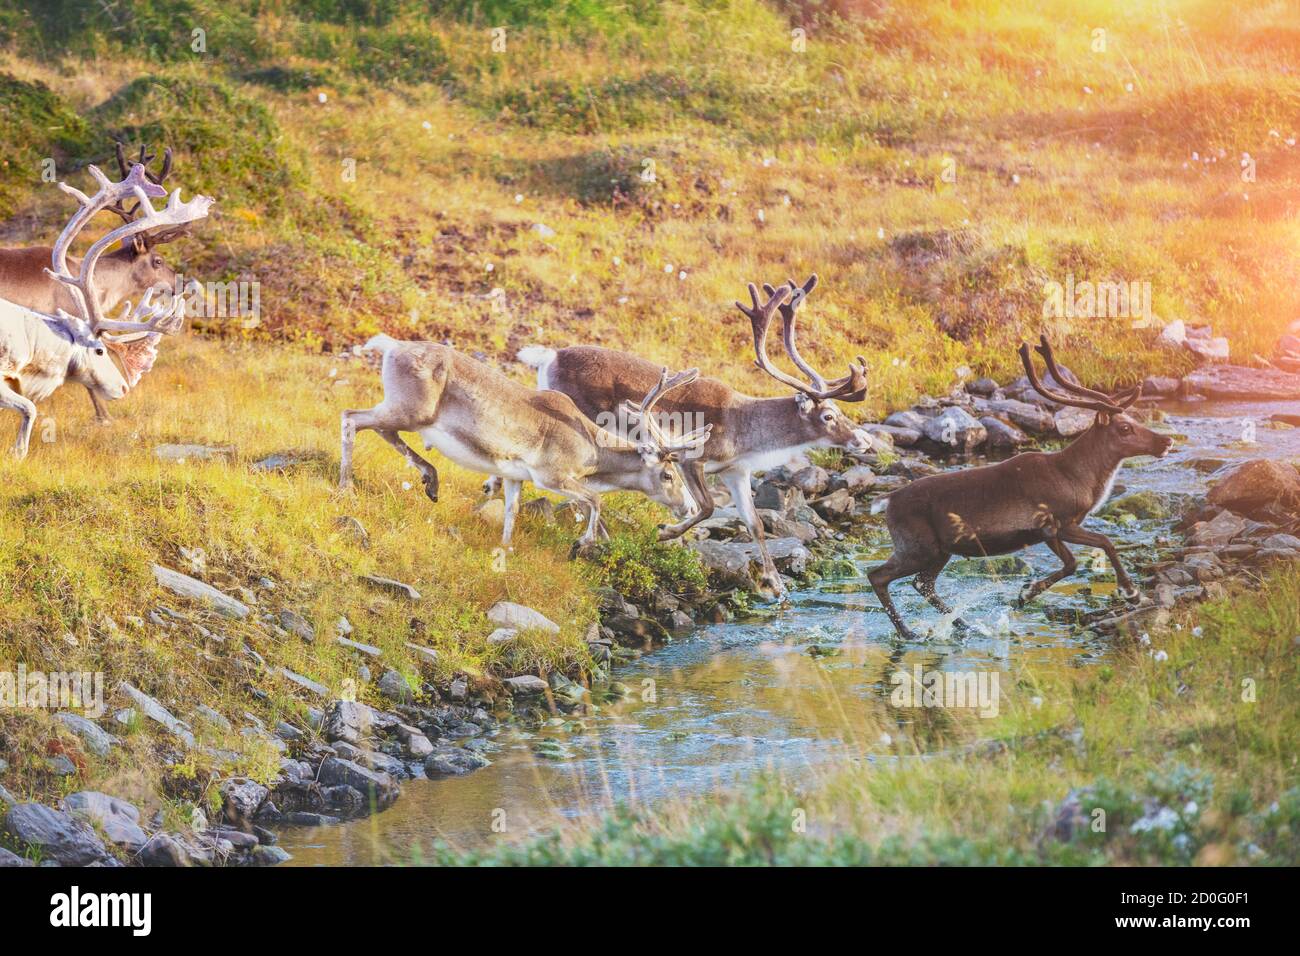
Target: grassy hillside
x=608 y=172
x=937 y=163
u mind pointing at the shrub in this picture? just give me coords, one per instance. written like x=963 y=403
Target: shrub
x=35 y=124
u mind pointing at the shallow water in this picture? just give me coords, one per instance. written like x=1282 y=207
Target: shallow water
x=791 y=690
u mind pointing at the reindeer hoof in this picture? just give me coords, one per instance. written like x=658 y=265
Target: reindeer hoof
x=1130 y=594
x=431 y=490
x=103 y=421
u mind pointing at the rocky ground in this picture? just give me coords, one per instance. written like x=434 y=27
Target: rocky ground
x=349 y=758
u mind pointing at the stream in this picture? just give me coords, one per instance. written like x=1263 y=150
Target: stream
x=792 y=691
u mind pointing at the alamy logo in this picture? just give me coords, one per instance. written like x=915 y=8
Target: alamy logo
x=72 y=909
x=957 y=690
x=1098 y=300
x=630 y=429
x=52 y=690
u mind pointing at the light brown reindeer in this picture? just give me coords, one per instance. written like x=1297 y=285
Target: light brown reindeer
x=125 y=273
x=1033 y=498
x=749 y=434
x=40 y=351
x=488 y=423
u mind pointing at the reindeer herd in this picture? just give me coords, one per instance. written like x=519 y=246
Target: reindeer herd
x=673 y=432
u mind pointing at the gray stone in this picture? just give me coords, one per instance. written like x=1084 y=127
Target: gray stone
x=525 y=684
x=349 y=721
x=954 y=428
x=320 y=690
x=1239 y=383
x=738 y=564
x=297 y=625
x=354 y=528
x=908 y=420
x=268 y=856
x=367 y=649
x=1002 y=436
x=1032 y=418
x=427 y=653
x=453 y=760
x=118 y=820
x=502 y=635
x=836 y=506
x=509 y=614
x=902 y=437
x=158 y=713
x=185 y=586
x=811 y=480
x=97 y=740
x=9 y=859
x=165 y=850
x=56 y=835
x=1071 y=421
x=377 y=785
x=1218 y=531
x=858 y=478
x=392 y=587
x=241 y=799
x=193 y=452
x=393 y=686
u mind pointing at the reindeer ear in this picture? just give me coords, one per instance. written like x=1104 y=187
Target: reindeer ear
x=804 y=402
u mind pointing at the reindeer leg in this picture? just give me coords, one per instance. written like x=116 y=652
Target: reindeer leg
x=575 y=490
x=743 y=496
x=693 y=472
x=429 y=474
x=1076 y=535
x=1031 y=591
x=26 y=411
x=924 y=584
x=899 y=565
x=101 y=414
x=512 y=489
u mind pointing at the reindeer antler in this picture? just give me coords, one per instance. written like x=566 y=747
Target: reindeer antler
x=1074 y=394
x=851 y=387
x=143 y=242
x=136 y=185
x=642 y=414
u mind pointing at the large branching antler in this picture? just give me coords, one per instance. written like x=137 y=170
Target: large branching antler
x=847 y=388
x=1073 y=394
x=760 y=319
x=147 y=317
x=642 y=414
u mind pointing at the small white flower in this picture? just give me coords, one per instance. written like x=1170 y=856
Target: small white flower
x=1015 y=179
x=1088 y=90
x=880 y=233
x=682 y=275
x=1197 y=631
x=1145 y=639
x=489 y=267
x=427 y=125
x=519 y=197
x=886 y=740
x=668 y=267
x=1036 y=701
x=768 y=161
x=622 y=300
x=321 y=98
x=1128 y=87
x=617 y=261
x=1191 y=809
x=1160 y=657
x=406 y=486
x=762 y=216
x=1196 y=156
x=334 y=372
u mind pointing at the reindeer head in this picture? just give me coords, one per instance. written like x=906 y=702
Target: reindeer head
x=661 y=478
x=148 y=269
x=1118 y=434
x=820 y=421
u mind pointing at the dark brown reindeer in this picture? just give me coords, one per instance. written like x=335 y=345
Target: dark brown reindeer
x=1033 y=498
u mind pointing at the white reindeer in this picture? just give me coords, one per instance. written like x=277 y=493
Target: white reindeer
x=39 y=351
